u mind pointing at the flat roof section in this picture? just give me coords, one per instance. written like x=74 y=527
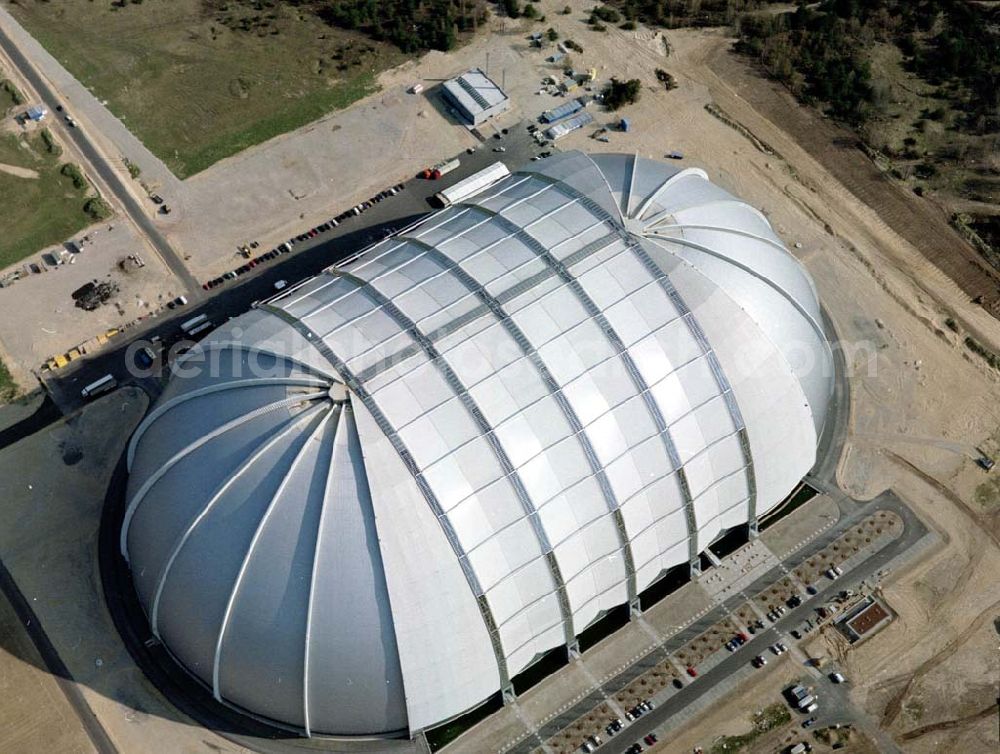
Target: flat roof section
x=475 y=91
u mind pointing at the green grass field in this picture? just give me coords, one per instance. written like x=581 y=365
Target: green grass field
x=36 y=212
x=199 y=80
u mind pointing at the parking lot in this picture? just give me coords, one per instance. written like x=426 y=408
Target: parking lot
x=310 y=253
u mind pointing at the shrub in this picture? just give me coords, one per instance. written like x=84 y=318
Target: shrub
x=72 y=172
x=512 y=8
x=97 y=208
x=666 y=79
x=50 y=143
x=133 y=170
x=617 y=93
x=603 y=13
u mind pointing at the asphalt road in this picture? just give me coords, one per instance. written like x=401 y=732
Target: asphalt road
x=103 y=168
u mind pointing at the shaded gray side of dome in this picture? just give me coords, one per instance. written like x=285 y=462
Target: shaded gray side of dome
x=354 y=684
x=261 y=570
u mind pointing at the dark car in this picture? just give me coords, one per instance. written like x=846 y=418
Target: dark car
x=145 y=358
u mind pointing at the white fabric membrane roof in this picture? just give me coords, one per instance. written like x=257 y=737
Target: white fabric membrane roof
x=384 y=493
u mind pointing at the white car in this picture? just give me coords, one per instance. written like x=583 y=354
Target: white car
x=837 y=677
x=281 y=284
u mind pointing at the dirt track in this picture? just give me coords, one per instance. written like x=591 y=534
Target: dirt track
x=919 y=221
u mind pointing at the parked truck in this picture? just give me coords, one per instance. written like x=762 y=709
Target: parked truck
x=442 y=168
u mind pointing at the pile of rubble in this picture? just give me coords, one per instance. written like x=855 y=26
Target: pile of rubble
x=92 y=295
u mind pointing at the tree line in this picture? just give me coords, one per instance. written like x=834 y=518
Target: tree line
x=817 y=52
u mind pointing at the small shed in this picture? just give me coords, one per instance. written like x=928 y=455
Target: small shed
x=36 y=113
x=625 y=124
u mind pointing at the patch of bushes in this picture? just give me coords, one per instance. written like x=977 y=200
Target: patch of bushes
x=617 y=93
x=49 y=142
x=72 y=172
x=13 y=93
x=571 y=45
x=511 y=7
x=133 y=170
x=606 y=14
x=411 y=25
x=982 y=351
x=97 y=209
x=666 y=79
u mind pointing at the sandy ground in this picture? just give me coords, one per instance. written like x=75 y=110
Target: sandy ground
x=52 y=485
x=34 y=716
x=19 y=172
x=38 y=318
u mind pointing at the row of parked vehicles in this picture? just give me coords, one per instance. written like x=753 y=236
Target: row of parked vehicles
x=637 y=747
x=616 y=726
x=286 y=247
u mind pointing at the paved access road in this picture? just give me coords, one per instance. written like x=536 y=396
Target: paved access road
x=103 y=168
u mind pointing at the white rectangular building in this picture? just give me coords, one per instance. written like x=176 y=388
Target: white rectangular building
x=476 y=96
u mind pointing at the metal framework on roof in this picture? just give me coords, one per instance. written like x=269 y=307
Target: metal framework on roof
x=406 y=479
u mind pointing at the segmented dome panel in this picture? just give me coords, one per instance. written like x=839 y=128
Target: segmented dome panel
x=380 y=495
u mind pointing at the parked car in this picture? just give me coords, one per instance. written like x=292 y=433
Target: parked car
x=145 y=358
x=692 y=672
x=837 y=677
x=650 y=739
x=759 y=661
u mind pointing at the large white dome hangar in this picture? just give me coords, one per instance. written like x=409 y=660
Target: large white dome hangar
x=382 y=494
